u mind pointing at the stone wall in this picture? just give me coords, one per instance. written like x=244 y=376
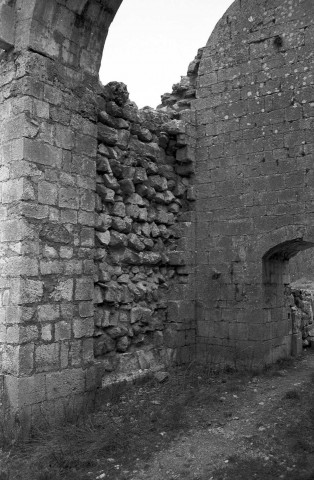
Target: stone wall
x=254 y=175
x=48 y=154
x=63 y=136
x=143 y=243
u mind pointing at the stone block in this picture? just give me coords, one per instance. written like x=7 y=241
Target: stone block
x=19 y=314
x=118 y=239
x=42 y=153
x=85 y=145
x=87 y=201
x=26 y=333
x=46 y=332
x=63 y=290
x=19 y=189
x=73 y=267
x=68 y=216
x=174 y=338
x=66 y=252
x=112 y=293
x=83 y=327
x=31 y=291
x=106 y=194
x=63 y=330
x=69 y=198
x=123 y=139
x=52 y=232
x=47 y=357
x=65 y=383
x=86 y=309
x=107 y=135
x=7 y=27
x=15 y=230
x=158 y=183
x=99 y=295
x=141 y=314
x=112 y=122
x=110 y=181
x=51 y=267
x=48 y=312
x=88 y=350
x=52 y=95
x=103 y=237
x=64 y=355
x=25 y=391
x=103 y=344
x=20 y=265
x=47 y=193
x=75 y=354
x=84 y=288
x=18 y=360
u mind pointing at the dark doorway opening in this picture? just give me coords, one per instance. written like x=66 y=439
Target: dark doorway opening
x=287 y=308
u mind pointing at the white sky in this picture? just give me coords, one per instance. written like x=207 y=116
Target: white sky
x=151 y=43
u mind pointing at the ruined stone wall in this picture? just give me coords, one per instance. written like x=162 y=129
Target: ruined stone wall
x=82 y=169
x=122 y=227
x=144 y=246
x=254 y=175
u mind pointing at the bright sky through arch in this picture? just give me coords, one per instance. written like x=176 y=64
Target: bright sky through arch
x=151 y=43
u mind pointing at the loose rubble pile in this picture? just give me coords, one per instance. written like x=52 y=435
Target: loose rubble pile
x=143 y=191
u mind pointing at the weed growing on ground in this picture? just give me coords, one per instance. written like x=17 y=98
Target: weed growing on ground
x=131 y=419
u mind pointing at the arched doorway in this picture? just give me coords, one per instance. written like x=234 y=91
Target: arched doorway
x=280 y=301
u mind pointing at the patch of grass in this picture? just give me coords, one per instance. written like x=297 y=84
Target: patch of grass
x=278 y=369
x=127 y=423
x=136 y=421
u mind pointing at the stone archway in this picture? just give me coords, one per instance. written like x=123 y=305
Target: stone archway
x=278 y=304
x=71 y=32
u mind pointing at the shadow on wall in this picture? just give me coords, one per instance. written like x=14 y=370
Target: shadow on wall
x=276 y=261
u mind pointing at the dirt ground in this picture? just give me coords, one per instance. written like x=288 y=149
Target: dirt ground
x=267 y=433
x=199 y=425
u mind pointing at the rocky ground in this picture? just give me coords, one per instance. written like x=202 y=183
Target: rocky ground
x=196 y=425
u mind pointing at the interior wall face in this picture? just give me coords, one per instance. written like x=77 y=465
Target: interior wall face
x=254 y=178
